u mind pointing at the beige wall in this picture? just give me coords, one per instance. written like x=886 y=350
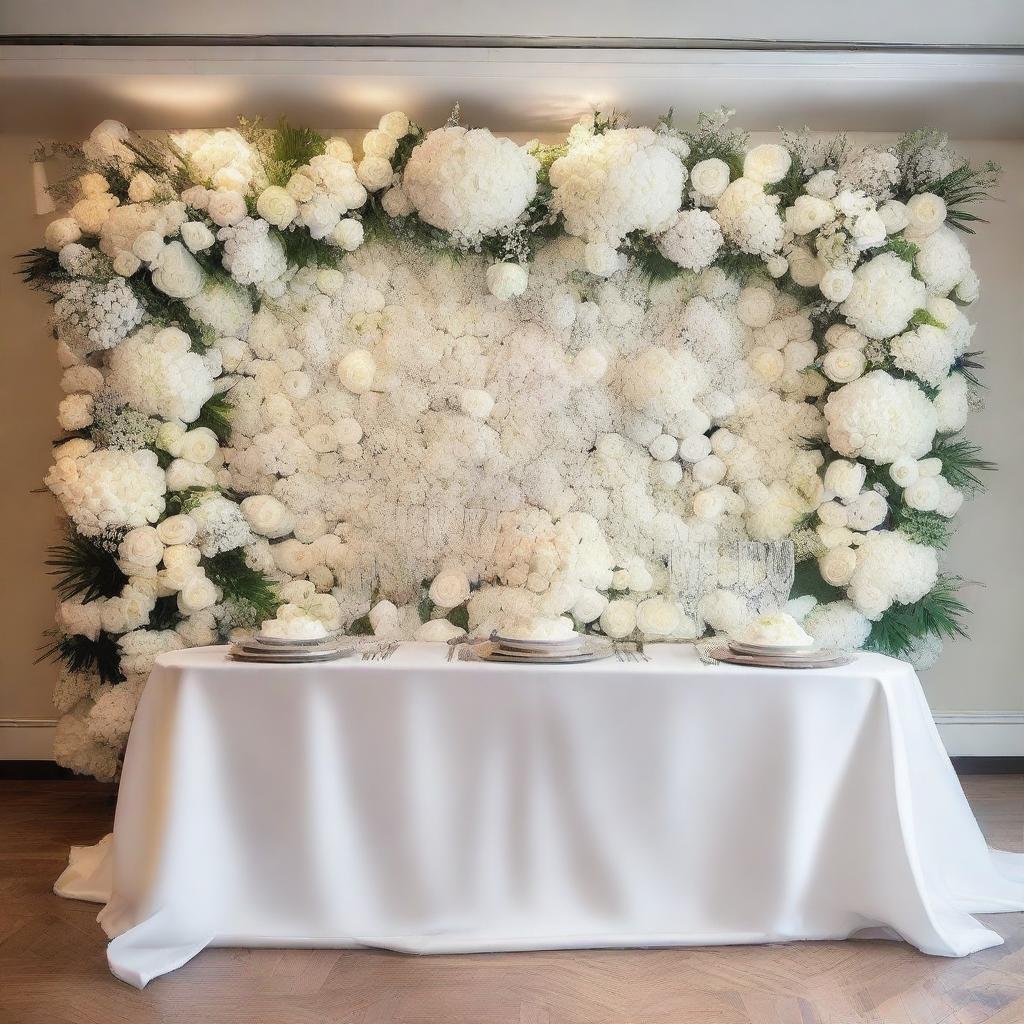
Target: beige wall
x=981 y=676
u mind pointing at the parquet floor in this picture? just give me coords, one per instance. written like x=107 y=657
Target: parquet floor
x=52 y=966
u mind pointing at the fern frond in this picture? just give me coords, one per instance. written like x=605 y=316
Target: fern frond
x=84 y=569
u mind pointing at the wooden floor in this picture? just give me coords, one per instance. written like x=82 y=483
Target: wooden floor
x=52 y=966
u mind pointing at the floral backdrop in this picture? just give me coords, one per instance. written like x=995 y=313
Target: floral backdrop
x=448 y=379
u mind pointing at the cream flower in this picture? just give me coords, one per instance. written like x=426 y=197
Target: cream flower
x=356 y=371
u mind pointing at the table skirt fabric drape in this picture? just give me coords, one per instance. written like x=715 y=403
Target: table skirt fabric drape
x=426 y=806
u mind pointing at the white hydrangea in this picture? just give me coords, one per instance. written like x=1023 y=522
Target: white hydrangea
x=221 y=526
x=838 y=626
x=749 y=217
x=621 y=181
x=93 y=317
x=693 y=240
x=942 y=261
x=880 y=418
x=927 y=352
x=108 y=489
x=156 y=373
x=891 y=569
x=469 y=183
x=252 y=255
x=884 y=296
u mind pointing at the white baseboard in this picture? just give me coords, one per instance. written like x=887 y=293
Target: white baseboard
x=27 y=739
x=965 y=734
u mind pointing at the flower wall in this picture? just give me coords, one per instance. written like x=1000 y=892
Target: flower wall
x=451 y=380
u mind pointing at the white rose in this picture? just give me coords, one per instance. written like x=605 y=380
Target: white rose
x=179 y=557
x=178 y=530
x=375 y=173
x=141 y=546
x=868 y=510
x=776 y=265
x=709 y=505
x=125 y=263
x=339 y=148
x=618 y=619
x=588 y=606
x=658 y=616
x=396 y=203
x=384 y=619
x=277 y=206
x=809 y=213
x=923 y=494
x=710 y=178
x=226 y=207
x=199 y=445
x=709 y=471
x=842 y=365
x=267 y=516
x=176 y=272
x=61 y=232
x=148 y=245
x=868 y=230
x=904 y=471
x=196 y=235
x=602 y=259
x=379 y=143
x=507 y=280
x=766 y=164
x=591 y=364
x=198 y=593
x=348 y=234
x=837 y=565
x=925 y=214
x=449 y=589
x=755 y=306
x=356 y=371
x=805 y=268
x=836 y=283
x=844 y=478
x=767 y=363
x=695 y=447
x=300 y=187
x=844 y=336
x=894 y=216
x=396 y=124
x=476 y=403
x=663 y=447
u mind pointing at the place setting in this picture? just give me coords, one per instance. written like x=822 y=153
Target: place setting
x=538 y=641
x=775 y=640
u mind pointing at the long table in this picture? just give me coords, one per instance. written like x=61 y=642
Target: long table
x=430 y=806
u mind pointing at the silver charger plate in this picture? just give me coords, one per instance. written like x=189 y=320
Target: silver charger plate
x=573 y=643
x=489 y=651
x=254 y=647
x=740 y=647
x=820 y=659
x=271 y=641
x=289 y=658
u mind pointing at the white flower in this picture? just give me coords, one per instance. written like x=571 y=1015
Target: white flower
x=396 y=124
x=198 y=445
x=618 y=619
x=61 y=232
x=927 y=352
x=884 y=297
x=724 y=610
x=890 y=569
x=693 y=240
x=755 y=306
x=767 y=363
x=968 y=288
x=396 y=203
x=384 y=619
x=588 y=606
x=836 y=283
x=176 y=272
x=267 y=516
x=348 y=234
x=141 y=546
x=621 y=181
x=894 y=216
x=952 y=404
x=710 y=178
x=356 y=371
x=449 y=589
x=142 y=188
x=375 y=173
x=868 y=510
x=942 y=261
x=176 y=531
x=277 y=206
x=880 y=418
x=766 y=164
x=197 y=236
x=923 y=494
x=438 y=631
x=476 y=402
x=507 y=280
x=837 y=565
x=591 y=364
x=842 y=365
x=147 y=246
x=198 y=593
x=808 y=213
x=602 y=259
x=379 y=143
x=805 y=268
x=91 y=214
x=837 y=625
x=749 y=218
x=867 y=230
x=75 y=411
x=658 y=617
x=226 y=207
x=822 y=185
x=844 y=478
x=301 y=187
x=925 y=213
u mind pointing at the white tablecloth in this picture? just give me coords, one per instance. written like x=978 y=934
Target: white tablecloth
x=426 y=806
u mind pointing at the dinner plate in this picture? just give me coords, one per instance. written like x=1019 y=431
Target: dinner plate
x=254 y=647
x=273 y=641
x=490 y=651
x=514 y=643
x=821 y=659
x=289 y=658
x=740 y=647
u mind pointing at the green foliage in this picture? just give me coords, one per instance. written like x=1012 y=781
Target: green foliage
x=80 y=654
x=82 y=568
x=739 y=264
x=360 y=626
x=938 y=613
x=966 y=365
x=165 y=311
x=923 y=317
x=962 y=187
x=252 y=595
x=165 y=613
x=927 y=528
x=961 y=462
x=40 y=269
x=901 y=247
x=713 y=138
x=460 y=617
x=188 y=498
x=807 y=582
x=216 y=415
x=791 y=186
x=424 y=606
x=303 y=250
x=281 y=150
x=648 y=258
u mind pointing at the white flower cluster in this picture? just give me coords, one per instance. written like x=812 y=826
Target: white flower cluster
x=395 y=418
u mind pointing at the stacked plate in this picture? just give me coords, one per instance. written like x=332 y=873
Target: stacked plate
x=271 y=650
x=570 y=650
x=779 y=655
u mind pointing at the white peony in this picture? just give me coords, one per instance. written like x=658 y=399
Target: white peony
x=838 y=626
x=925 y=213
x=618 y=619
x=277 y=206
x=450 y=588
x=766 y=164
x=891 y=569
x=884 y=296
x=942 y=261
x=710 y=178
x=356 y=371
x=226 y=207
x=375 y=173
x=658 y=617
